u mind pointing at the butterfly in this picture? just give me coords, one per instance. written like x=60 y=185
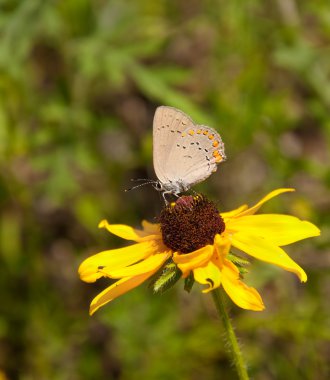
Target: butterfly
x=184 y=153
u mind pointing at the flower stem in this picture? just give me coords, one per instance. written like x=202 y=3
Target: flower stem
x=232 y=340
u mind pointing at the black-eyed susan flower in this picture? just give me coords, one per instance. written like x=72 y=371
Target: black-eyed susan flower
x=194 y=240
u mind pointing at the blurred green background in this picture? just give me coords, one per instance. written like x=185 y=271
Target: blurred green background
x=79 y=83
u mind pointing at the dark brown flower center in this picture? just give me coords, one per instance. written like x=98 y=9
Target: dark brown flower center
x=190 y=223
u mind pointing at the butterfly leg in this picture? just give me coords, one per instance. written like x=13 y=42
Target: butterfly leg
x=163 y=195
x=176 y=194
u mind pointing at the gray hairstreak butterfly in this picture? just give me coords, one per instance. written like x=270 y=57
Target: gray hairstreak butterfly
x=184 y=153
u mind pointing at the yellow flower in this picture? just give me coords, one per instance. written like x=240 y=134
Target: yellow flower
x=198 y=239
x=260 y=236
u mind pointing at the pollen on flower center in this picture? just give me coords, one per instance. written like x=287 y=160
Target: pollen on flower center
x=190 y=223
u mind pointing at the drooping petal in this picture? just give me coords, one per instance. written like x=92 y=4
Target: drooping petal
x=277 y=229
x=189 y=261
x=269 y=196
x=149 y=264
x=242 y=295
x=128 y=232
x=117 y=289
x=115 y=258
x=266 y=251
x=208 y=275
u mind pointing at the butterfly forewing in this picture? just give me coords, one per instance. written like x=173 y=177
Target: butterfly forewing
x=183 y=153
x=168 y=125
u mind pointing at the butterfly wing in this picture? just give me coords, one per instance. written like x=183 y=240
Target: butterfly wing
x=168 y=125
x=194 y=155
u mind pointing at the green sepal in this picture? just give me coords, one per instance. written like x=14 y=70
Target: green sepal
x=239 y=261
x=165 y=278
x=242 y=271
x=189 y=282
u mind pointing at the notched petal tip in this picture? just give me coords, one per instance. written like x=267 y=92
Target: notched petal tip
x=88 y=272
x=302 y=275
x=89 y=275
x=103 y=224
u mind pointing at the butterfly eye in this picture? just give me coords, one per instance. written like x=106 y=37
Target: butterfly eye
x=158 y=186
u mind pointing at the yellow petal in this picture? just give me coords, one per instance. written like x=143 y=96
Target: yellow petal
x=149 y=264
x=189 y=261
x=117 y=289
x=242 y=295
x=128 y=232
x=150 y=228
x=208 y=275
x=266 y=251
x=115 y=258
x=231 y=214
x=269 y=196
x=222 y=246
x=277 y=229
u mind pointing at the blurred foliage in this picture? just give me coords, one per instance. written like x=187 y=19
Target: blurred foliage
x=79 y=83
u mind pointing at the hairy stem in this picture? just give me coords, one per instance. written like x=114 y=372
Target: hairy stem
x=235 y=351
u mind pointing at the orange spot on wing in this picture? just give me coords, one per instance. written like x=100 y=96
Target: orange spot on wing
x=218 y=158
